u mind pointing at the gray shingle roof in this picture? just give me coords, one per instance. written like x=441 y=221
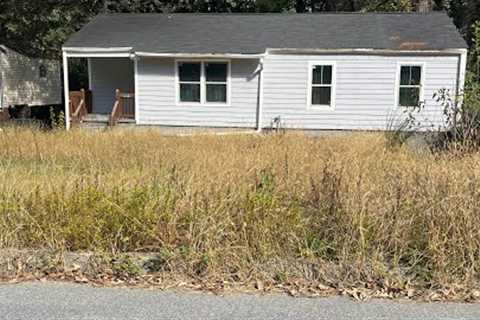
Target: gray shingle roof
x=253 y=33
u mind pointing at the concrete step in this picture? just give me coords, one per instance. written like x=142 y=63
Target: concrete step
x=92 y=125
x=104 y=118
x=92 y=117
x=94 y=121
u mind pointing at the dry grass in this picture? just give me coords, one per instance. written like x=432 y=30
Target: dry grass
x=243 y=207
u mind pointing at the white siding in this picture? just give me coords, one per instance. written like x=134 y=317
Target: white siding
x=107 y=75
x=156 y=94
x=365 y=90
x=21 y=82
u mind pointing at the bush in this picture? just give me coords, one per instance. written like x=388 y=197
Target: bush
x=461 y=128
x=462 y=114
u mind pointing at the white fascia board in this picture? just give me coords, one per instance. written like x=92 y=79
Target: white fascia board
x=98 y=55
x=201 y=55
x=452 y=51
x=97 y=49
x=119 y=52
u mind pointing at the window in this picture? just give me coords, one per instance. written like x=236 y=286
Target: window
x=410 y=88
x=42 y=72
x=203 y=82
x=216 y=82
x=321 y=91
x=189 y=76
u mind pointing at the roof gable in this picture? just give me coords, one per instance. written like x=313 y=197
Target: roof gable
x=254 y=33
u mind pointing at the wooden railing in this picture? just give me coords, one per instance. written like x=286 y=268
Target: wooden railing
x=79 y=105
x=124 y=107
x=4 y=114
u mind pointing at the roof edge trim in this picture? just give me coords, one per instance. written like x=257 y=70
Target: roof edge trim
x=97 y=49
x=201 y=55
x=364 y=50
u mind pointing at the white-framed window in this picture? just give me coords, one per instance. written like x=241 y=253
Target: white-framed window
x=410 y=79
x=203 y=82
x=189 y=81
x=321 y=85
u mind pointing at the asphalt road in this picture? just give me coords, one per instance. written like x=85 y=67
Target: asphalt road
x=68 y=301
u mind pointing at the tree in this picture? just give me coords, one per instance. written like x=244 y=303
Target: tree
x=273 y=5
x=474 y=58
x=39 y=28
x=388 y=6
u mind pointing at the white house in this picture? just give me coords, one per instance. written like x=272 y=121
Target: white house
x=28 y=81
x=305 y=71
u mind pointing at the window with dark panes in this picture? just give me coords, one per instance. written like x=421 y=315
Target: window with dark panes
x=322 y=76
x=410 y=86
x=203 y=82
x=216 y=81
x=189 y=76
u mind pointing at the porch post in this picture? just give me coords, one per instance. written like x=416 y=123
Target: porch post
x=260 y=95
x=66 y=90
x=89 y=70
x=136 y=91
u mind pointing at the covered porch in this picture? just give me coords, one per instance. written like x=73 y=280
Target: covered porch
x=109 y=97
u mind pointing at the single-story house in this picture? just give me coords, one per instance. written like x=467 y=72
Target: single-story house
x=342 y=71
x=26 y=80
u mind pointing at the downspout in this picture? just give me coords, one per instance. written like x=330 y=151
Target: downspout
x=260 y=96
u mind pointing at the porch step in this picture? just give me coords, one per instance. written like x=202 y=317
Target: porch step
x=100 y=122
x=94 y=117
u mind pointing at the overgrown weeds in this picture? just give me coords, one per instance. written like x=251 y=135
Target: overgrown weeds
x=238 y=208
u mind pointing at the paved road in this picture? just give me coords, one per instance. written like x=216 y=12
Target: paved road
x=67 y=301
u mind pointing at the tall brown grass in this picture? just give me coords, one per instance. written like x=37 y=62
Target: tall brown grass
x=276 y=206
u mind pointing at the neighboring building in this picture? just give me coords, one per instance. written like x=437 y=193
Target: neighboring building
x=300 y=71
x=28 y=81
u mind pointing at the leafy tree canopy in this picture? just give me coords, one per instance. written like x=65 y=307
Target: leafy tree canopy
x=39 y=28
